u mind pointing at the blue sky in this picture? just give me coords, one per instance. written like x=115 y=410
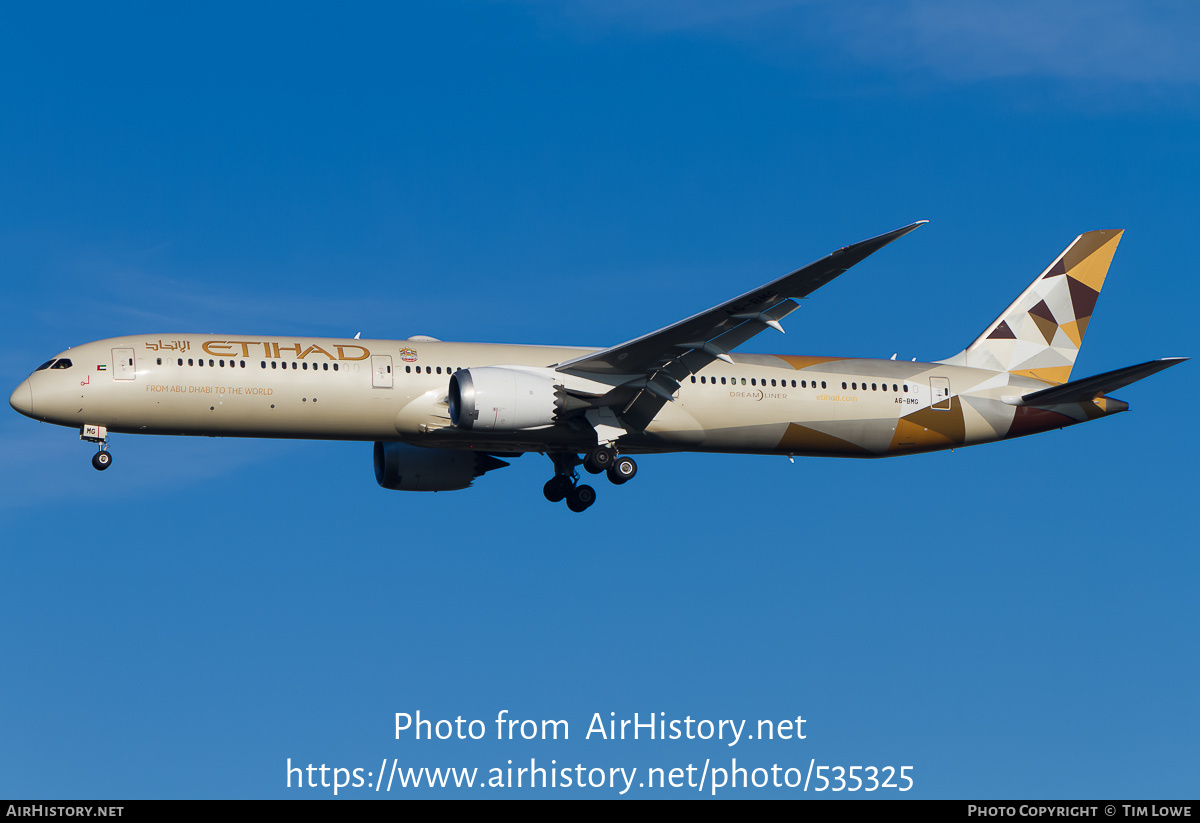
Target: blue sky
x=1016 y=620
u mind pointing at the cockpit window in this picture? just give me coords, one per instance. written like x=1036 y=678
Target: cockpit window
x=61 y=364
x=45 y=365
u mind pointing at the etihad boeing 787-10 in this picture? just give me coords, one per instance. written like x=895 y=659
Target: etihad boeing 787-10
x=442 y=414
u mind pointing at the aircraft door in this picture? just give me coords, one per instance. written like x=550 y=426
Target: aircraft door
x=940 y=392
x=124 y=367
x=381 y=371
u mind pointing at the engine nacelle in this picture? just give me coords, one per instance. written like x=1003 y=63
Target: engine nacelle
x=402 y=467
x=496 y=399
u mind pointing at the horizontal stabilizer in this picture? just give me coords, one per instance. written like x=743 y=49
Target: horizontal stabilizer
x=1089 y=388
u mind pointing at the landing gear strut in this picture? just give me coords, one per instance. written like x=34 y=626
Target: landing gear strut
x=565 y=483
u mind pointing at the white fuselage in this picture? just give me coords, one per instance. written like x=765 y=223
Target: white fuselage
x=387 y=390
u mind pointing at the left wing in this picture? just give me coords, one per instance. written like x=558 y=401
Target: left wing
x=659 y=361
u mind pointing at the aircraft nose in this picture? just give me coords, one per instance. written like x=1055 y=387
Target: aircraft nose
x=22 y=399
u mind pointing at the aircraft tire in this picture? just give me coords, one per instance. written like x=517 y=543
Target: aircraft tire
x=101 y=461
x=599 y=459
x=580 y=498
x=557 y=488
x=622 y=470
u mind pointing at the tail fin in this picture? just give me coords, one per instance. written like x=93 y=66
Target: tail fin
x=1039 y=335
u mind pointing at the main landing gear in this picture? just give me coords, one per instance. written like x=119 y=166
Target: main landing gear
x=565 y=483
x=102 y=459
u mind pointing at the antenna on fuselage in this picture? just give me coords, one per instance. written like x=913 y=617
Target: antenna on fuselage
x=357 y=335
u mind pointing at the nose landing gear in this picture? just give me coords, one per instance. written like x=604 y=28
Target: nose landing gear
x=91 y=433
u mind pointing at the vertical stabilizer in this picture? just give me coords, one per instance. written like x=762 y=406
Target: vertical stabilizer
x=1039 y=335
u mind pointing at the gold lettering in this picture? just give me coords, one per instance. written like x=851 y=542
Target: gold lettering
x=312 y=349
x=279 y=348
x=210 y=345
x=245 y=346
x=343 y=356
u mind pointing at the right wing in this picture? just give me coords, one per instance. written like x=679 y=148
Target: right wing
x=656 y=363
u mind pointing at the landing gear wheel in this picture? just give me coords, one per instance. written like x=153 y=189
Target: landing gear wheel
x=101 y=461
x=557 y=488
x=622 y=470
x=600 y=459
x=580 y=498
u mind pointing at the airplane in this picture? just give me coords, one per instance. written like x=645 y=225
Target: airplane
x=442 y=414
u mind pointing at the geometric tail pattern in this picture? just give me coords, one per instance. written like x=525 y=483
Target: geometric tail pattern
x=1039 y=335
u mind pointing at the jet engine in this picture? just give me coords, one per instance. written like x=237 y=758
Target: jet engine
x=497 y=399
x=402 y=467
